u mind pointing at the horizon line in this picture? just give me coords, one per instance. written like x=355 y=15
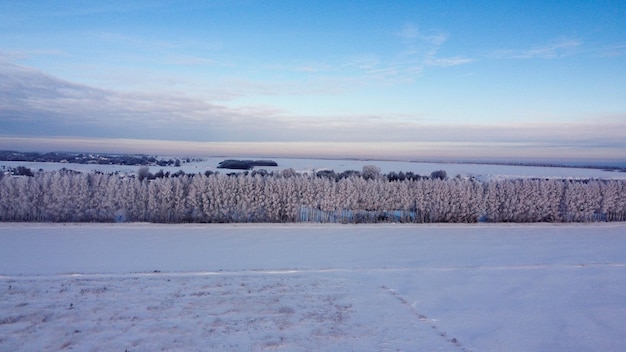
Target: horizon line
x=396 y=151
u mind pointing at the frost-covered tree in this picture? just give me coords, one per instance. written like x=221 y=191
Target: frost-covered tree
x=283 y=197
x=371 y=172
x=440 y=174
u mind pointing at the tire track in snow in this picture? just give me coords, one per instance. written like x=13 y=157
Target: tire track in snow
x=423 y=318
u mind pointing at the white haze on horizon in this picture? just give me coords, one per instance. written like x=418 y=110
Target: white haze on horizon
x=402 y=151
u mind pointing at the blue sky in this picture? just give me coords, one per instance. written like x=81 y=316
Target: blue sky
x=536 y=78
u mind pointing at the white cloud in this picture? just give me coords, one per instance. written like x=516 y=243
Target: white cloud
x=614 y=50
x=418 y=52
x=450 y=61
x=18 y=55
x=33 y=103
x=189 y=60
x=410 y=32
x=557 y=49
x=422 y=51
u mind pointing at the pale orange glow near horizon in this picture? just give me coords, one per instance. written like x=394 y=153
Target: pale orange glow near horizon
x=445 y=151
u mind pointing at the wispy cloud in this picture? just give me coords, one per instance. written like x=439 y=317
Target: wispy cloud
x=411 y=33
x=417 y=51
x=614 y=50
x=189 y=60
x=154 y=44
x=140 y=67
x=302 y=66
x=33 y=103
x=554 y=50
x=422 y=51
x=20 y=55
x=450 y=61
x=90 y=9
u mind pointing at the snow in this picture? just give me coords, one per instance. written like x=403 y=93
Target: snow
x=480 y=171
x=311 y=287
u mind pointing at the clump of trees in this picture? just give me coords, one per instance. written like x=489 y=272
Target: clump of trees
x=287 y=196
x=17 y=171
x=244 y=164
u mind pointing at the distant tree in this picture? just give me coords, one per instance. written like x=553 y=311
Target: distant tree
x=330 y=174
x=143 y=173
x=287 y=173
x=371 y=172
x=348 y=173
x=440 y=174
x=260 y=172
x=24 y=171
x=411 y=176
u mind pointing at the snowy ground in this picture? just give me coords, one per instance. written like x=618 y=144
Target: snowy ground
x=295 y=287
x=480 y=171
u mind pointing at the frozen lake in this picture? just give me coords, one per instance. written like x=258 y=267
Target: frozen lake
x=480 y=171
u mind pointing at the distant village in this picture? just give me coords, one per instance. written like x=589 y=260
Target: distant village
x=91 y=158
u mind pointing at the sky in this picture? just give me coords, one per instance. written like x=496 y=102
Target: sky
x=406 y=79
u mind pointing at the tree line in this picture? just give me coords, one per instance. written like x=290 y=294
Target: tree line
x=286 y=196
x=91 y=158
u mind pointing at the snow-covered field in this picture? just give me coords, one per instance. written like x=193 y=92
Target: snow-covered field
x=310 y=287
x=480 y=171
